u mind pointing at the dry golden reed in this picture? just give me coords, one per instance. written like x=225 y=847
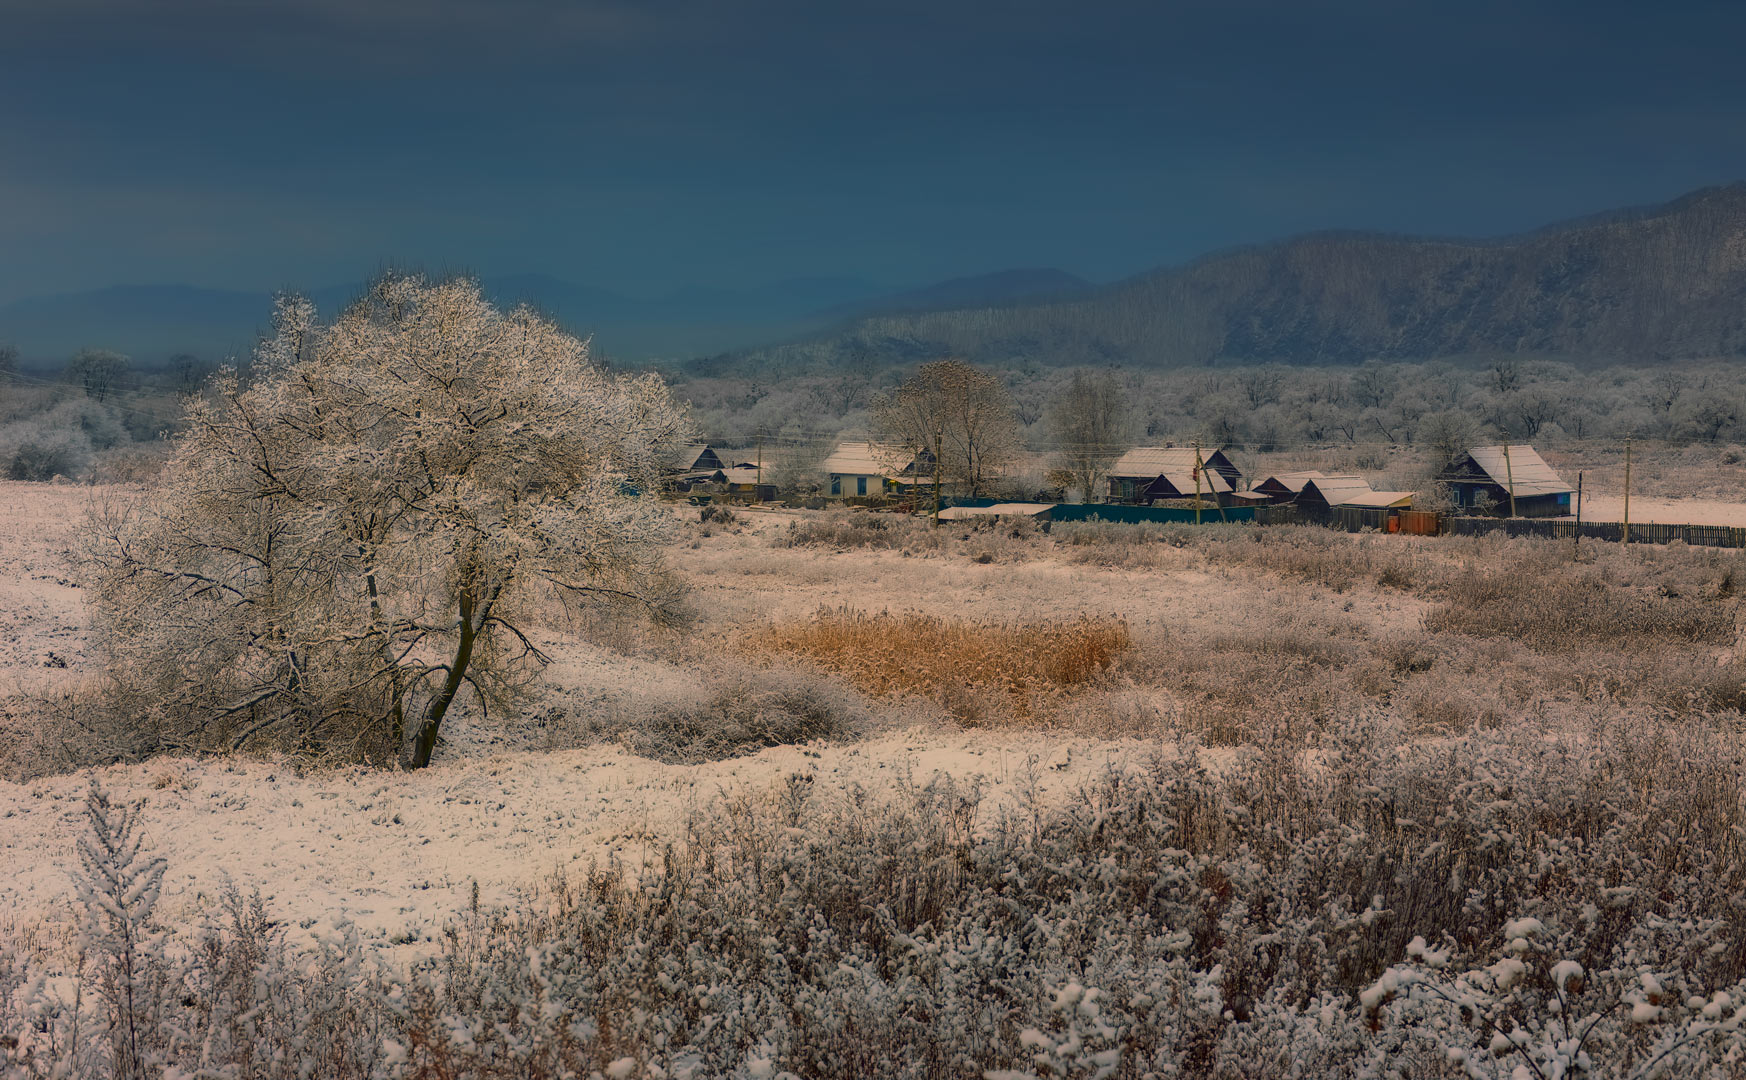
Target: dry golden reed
x=978 y=670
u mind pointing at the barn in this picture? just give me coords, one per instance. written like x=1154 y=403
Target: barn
x=1163 y=472
x=1493 y=479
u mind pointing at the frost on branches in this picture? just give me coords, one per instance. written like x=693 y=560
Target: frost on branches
x=355 y=533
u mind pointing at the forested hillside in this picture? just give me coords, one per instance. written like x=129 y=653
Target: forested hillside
x=1646 y=285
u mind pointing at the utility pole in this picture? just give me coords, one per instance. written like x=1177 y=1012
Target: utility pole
x=1627 y=533
x=760 y=464
x=937 y=448
x=1197 y=481
x=1510 y=476
x=1576 y=541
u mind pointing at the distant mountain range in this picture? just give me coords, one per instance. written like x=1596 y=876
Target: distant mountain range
x=1644 y=285
x=151 y=322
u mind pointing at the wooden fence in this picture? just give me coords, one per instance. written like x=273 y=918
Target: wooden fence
x=1724 y=536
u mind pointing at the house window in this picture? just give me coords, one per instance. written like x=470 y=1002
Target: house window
x=836 y=485
x=860 y=485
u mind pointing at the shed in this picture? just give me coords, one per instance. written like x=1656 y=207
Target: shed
x=1284 y=487
x=1494 y=473
x=1139 y=467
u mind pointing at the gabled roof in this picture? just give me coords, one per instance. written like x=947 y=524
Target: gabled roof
x=685 y=458
x=861 y=459
x=1525 y=472
x=1211 y=483
x=1336 y=490
x=1292 y=481
x=1381 y=500
x=1145 y=462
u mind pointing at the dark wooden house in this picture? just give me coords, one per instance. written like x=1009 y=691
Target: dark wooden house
x=1492 y=479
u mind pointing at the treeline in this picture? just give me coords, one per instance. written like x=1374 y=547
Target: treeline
x=1273 y=407
x=99 y=415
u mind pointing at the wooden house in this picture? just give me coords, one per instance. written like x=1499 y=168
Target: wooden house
x=1145 y=473
x=1493 y=478
x=858 y=469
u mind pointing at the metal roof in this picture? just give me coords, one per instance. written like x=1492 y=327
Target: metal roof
x=861 y=459
x=1293 y=481
x=1337 y=490
x=1012 y=509
x=1211 y=483
x=1381 y=500
x=1149 y=461
x=1526 y=472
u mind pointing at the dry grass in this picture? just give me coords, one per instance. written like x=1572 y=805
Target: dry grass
x=981 y=671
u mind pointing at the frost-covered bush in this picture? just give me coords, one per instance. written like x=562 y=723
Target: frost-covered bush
x=1375 y=913
x=100 y=424
x=36 y=450
x=745 y=712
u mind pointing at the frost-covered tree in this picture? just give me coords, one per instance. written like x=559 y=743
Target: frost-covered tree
x=347 y=542
x=98 y=371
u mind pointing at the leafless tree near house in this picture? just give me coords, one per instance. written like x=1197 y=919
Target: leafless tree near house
x=969 y=410
x=1089 y=424
x=366 y=532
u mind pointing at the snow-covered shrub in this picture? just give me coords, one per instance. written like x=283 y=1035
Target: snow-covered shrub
x=100 y=424
x=36 y=450
x=745 y=711
x=1372 y=912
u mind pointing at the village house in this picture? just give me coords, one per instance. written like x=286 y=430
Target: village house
x=1146 y=473
x=1493 y=479
x=858 y=470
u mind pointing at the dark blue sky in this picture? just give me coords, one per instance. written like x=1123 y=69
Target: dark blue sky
x=649 y=146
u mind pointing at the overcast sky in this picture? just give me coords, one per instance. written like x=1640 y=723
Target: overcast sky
x=654 y=145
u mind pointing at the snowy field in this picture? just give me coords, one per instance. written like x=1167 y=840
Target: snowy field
x=397 y=854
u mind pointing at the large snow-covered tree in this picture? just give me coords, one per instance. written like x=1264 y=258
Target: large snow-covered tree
x=361 y=531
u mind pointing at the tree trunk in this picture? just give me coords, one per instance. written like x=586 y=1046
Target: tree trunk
x=424 y=741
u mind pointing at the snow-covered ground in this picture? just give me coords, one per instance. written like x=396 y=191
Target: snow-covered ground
x=398 y=853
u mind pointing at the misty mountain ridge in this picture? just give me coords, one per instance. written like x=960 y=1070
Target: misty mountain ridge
x=1643 y=284
x=152 y=321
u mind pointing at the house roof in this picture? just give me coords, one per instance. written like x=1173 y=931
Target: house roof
x=1381 y=500
x=860 y=459
x=1525 y=470
x=1211 y=483
x=1252 y=496
x=686 y=456
x=1145 y=462
x=742 y=474
x=1337 y=490
x=1012 y=509
x=1292 y=481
